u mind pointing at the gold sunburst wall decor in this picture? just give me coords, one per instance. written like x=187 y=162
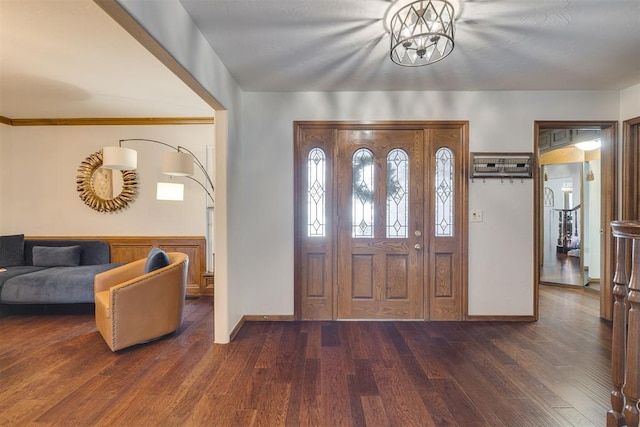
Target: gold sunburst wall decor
x=96 y=185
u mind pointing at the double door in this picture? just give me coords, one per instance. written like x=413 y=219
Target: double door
x=379 y=230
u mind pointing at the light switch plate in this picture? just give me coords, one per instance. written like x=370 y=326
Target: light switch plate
x=476 y=215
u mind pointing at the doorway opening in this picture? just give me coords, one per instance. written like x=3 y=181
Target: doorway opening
x=575 y=199
x=571 y=178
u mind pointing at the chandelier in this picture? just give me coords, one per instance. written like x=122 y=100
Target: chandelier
x=422 y=32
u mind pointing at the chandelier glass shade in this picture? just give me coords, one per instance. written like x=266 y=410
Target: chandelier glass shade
x=422 y=33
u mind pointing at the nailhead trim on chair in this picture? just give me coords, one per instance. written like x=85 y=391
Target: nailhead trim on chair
x=113 y=300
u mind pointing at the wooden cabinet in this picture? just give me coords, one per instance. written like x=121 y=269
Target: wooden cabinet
x=544 y=139
x=581 y=135
x=550 y=139
x=553 y=138
x=560 y=137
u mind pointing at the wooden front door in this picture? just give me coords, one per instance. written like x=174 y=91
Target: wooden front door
x=380 y=228
x=380 y=220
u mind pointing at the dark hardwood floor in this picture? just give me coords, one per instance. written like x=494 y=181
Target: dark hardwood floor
x=559 y=268
x=56 y=370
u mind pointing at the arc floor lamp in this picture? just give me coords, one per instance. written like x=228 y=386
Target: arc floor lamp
x=178 y=162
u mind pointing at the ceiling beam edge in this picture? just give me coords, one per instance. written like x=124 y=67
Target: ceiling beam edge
x=126 y=21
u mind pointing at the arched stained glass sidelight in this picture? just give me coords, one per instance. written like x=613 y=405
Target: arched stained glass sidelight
x=316 y=193
x=397 y=193
x=444 y=192
x=362 y=201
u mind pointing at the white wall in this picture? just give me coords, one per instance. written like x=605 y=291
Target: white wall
x=630 y=102
x=500 y=279
x=593 y=191
x=38 y=170
x=5 y=136
x=257 y=197
x=172 y=27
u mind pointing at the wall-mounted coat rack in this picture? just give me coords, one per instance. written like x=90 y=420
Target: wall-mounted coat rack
x=502 y=166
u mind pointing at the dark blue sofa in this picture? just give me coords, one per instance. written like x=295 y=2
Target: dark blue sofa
x=62 y=273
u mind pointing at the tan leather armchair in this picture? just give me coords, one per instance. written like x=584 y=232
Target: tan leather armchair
x=133 y=307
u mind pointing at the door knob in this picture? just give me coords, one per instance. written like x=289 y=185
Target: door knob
x=417 y=247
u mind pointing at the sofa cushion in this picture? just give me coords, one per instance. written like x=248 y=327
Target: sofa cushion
x=64 y=256
x=54 y=285
x=12 y=250
x=94 y=252
x=17 y=271
x=156 y=259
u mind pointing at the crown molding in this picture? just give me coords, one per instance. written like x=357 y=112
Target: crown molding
x=112 y=121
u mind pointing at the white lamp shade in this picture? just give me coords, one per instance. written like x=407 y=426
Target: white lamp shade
x=169 y=191
x=177 y=164
x=119 y=158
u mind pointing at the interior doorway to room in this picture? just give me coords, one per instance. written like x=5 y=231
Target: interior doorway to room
x=576 y=200
x=571 y=177
x=380 y=220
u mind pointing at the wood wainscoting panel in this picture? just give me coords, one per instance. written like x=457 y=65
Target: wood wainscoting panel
x=131 y=248
x=125 y=249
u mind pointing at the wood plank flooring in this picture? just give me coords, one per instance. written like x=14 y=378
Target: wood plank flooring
x=55 y=370
x=562 y=269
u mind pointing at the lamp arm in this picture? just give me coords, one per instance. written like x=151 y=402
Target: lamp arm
x=203 y=187
x=148 y=140
x=200 y=165
x=179 y=149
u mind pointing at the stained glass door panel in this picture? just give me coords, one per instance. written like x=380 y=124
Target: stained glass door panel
x=381 y=224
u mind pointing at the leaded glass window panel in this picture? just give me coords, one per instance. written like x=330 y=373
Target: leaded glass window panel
x=444 y=192
x=397 y=193
x=316 y=193
x=362 y=201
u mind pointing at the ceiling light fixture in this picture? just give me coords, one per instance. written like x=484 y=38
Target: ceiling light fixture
x=421 y=31
x=589 y=145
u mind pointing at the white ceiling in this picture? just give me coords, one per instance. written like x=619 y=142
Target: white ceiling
x=67 y=58
x=337 y=45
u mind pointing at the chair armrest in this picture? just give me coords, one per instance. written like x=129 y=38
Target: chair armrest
x=118 y=275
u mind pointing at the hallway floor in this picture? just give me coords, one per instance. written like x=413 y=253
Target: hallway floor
x=559 y=268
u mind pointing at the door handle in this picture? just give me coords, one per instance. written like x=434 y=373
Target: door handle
x=417 y=247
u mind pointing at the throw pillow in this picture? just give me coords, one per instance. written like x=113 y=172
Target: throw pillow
x=54 y=256
x=12 y=250
x=156 y=259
